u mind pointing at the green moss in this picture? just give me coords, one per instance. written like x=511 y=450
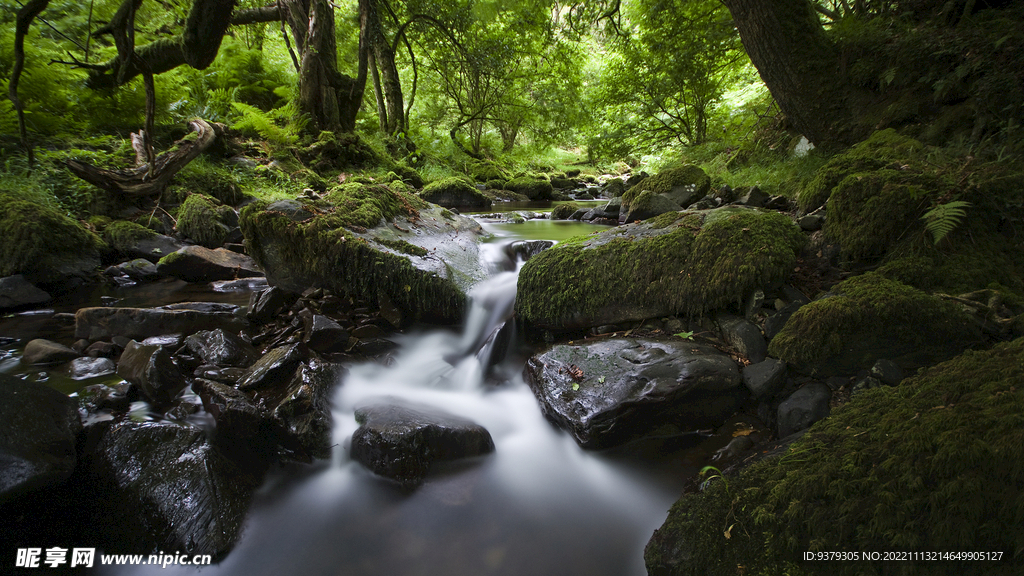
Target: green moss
x=563 y=211
x=666 y=180
x=496 y=184
x=665 y=220
x=199 y=218
x=203 y=177
x=409 y=175
x=403 y=246
x=686 y=267
x=321 y=247
x=366 y=205
x=869 y=212
x=883 y=148
x=454 y=192
x=870 y=317
x=934 y=464
x=38 y=240
x=485 y=170
x=123 y=235
x=534 y=187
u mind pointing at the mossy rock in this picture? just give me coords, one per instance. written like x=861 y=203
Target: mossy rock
x=485 y=170
x=451 y=192
x=201 y=218
x=533 y=187
x=564 y=211
x=701 y=261
x=43 y=244
x=123 y=235
x=409 y=175
x=333 y=151
x=870 y=317
x=934 y=464
x=663 y=182
x=375 y=244
x=881 y=149
x=496 y=184
x=368 y=205
x=870 y=212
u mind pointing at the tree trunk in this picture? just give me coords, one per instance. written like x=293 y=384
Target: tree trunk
x=26 y=14
x=390 y=83
x=801 y=68
x=330 y=99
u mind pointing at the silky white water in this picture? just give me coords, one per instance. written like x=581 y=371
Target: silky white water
x=537 y=506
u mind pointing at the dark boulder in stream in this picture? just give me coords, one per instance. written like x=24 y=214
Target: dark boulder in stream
x=102 y=323
x=199 y=264
x=38 y=426
x=166 y=486
x=401 y=442
x=610 y=391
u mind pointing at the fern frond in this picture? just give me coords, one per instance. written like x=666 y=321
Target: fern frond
x=944 y=218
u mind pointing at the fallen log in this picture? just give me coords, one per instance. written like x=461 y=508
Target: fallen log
x=141 y=181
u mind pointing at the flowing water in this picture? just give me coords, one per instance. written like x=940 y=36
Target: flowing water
x=537 y=506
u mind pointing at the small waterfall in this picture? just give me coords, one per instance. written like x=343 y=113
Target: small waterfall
x=537 y=505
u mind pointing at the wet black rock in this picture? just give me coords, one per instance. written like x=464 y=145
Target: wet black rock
x=221 y=348
x=165 y=486
x=275 y=366
x=233 y=410
x=887 y=372
x=774 y=323
x=152 y=370
x=154 y=248
x=744 y=336
x=401 y=442
x=805 y=407
x=324 y=334
x=765 y=379
x=265 y=305
x=102 y=323
x=525 y=249
x=17 y=292
x=607 y=392
x=38 y=426
x=42 y=351
x=302 y=409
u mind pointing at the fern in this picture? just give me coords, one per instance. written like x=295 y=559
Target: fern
x=944 y=218
x=252 y=118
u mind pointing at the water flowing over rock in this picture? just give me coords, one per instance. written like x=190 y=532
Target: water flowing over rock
x=401 y=442
x=607 y=392
x=38 y=426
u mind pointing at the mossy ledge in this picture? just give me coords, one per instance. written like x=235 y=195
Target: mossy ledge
x=44 y=244
x=416 y=270
x=701 y=261
x=935 y=464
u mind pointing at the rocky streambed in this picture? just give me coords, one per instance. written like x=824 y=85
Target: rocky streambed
x=336 y=408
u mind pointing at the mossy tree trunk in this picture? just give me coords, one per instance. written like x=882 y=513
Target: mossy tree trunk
x=330 y=99
x=387 y=84
x=801 y=67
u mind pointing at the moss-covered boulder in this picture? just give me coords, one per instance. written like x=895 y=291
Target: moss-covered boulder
x=868 y=213
x=867 y=318
x=688 y=262
x=533 y=187
x=484 y=171
x=203 y=219
x=43 y=244
x=934 y=464
x=646 y=205
x=690 y=177
x=373 y=242
x=564 y=211
x=452 y=192
x=883 y=148
x=122 y=236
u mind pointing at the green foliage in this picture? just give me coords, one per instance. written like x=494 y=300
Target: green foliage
x=944 y=218
x=254 y=121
